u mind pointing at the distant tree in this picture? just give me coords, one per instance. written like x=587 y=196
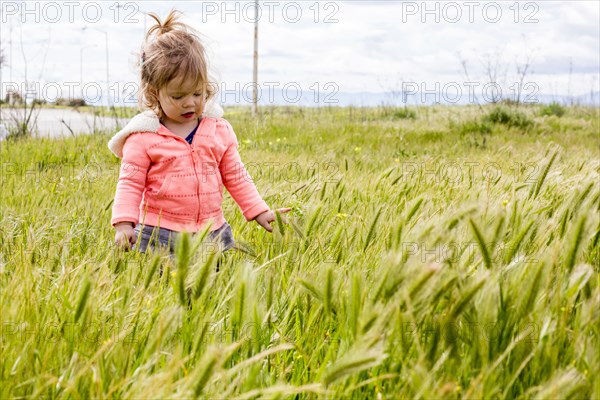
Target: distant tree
x=495 y=72
x=76 y=103
x=14 y=98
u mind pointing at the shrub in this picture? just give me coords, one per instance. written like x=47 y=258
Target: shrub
x=553 y=108
x=474 y=127
x=70 y=102
x=509 y=102
x=395 y=113
x=506 y=117
x=76 y=103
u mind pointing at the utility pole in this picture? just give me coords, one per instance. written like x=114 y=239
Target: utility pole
x=10 y=58
x=255 y=70
x=10 y=49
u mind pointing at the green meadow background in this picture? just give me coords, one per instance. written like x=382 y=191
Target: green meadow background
x=432 y=252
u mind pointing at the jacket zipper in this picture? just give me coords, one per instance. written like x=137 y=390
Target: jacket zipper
x=193 y=153
x=197 y=182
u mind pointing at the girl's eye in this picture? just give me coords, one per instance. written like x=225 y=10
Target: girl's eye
x=197 y=94
x=177 y=97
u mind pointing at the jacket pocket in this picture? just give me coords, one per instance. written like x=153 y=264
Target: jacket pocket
x=164 y=187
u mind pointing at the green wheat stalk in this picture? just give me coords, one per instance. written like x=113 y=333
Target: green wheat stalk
x=481 y=242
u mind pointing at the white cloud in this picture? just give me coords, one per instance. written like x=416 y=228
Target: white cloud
x=372 y=45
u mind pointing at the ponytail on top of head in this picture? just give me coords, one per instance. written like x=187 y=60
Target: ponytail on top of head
x=172 y=49
x=169 y=24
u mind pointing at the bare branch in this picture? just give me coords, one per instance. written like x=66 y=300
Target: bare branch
x=523 y=70
x=463 y=63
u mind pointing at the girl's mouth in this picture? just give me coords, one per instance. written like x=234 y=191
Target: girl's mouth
x=188 y=115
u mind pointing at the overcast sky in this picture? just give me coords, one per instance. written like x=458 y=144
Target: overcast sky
x=345 y=46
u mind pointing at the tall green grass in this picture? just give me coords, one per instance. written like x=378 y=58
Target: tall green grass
x=414 y=265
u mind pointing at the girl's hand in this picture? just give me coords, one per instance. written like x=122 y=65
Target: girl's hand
x=125 y=236
x=267 y=217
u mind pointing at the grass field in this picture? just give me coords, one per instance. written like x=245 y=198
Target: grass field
x=434 y=252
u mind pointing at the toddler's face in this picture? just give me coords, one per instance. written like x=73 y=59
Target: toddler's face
x=181 y=102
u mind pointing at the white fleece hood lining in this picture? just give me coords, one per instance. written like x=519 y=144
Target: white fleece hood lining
x=148 y=121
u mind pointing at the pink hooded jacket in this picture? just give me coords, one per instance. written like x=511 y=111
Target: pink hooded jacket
x=166 y=182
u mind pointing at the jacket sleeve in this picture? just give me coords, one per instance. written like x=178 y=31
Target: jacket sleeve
x=132 y=181
x=238 y=182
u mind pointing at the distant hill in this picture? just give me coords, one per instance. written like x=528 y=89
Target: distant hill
x=373 y=99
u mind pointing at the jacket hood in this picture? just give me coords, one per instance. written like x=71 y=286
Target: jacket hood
x=148 y=121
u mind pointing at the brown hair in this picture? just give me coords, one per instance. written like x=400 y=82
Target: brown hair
x=172 y=49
